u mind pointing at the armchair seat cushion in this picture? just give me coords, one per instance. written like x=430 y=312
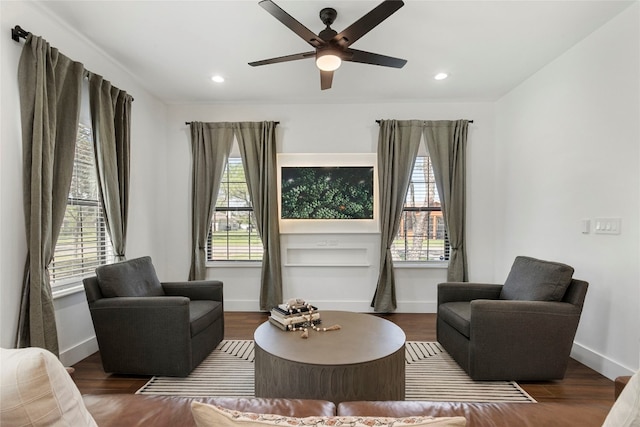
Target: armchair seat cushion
x=202 y=314
x=532 y=279
x=457 y=315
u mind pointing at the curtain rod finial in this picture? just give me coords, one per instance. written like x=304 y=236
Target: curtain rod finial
x=17 y=32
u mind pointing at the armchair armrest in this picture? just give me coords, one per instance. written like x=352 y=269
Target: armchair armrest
x=497 y=319
x=195 y=289
x=466 y=291
x=141 y=318
x=534 y=336
x=131 y=331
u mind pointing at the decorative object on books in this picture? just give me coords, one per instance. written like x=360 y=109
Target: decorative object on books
x=298 y=315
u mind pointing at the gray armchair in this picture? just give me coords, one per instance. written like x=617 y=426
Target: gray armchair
x=145 y=327
x=522 y=330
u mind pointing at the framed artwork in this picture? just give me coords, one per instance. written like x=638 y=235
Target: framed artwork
x=324 y=193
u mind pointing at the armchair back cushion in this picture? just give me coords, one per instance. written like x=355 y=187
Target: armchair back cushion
x=532 y=279
x=132 y=278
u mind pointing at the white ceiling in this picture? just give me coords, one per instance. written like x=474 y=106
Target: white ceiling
x=487 y=47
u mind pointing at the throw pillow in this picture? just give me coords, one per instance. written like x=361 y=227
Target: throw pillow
x=133 y=278
x=532 y=279
x=625 y=412
x=207 y=415
x=36 y=390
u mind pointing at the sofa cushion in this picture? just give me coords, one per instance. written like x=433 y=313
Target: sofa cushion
x=132 y=278
x=532 y=279
x=457 y=315
x=36 y=390
x=210 y=415
x=512 y=414
x=202 y=314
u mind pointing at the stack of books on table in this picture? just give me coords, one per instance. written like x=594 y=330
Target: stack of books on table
x=287 y=318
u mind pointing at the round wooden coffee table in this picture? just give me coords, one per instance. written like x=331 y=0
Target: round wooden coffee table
x=365 y=360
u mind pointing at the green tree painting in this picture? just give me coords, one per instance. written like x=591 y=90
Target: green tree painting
x=337 y=192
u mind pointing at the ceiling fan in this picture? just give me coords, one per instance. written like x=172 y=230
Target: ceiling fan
x=331 y=47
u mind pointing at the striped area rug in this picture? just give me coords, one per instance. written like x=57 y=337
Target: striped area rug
x=431 y=374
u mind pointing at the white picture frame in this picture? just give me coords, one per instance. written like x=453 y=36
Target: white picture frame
x=330 y=160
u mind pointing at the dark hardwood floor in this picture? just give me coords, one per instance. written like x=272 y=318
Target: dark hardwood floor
x=580 y=385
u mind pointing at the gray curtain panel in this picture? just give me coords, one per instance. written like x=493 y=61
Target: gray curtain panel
x=257 y=143
x=210 y=147
x=398 y=143
x=447 y=142
x=50 y=91
x=111 y=123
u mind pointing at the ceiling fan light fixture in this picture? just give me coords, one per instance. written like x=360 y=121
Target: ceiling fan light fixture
x=328 y=60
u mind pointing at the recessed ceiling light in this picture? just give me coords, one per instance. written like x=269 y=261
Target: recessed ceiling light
x=441 y=76
x=217 y=79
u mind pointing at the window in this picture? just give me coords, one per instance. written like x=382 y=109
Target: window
x=83 y=243
x=233 y=235
x=422 y=235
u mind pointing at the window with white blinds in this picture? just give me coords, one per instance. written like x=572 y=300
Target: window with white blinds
x=422 y=236
x=233 y=235
x=83 y=243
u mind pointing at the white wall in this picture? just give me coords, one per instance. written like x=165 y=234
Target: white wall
x=567 y=150
x=146 y=218
x=336 y=128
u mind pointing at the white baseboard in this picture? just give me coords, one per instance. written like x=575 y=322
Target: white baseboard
x=598 y=362
x=79 y=352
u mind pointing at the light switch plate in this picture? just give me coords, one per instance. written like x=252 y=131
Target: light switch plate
x=607 y=225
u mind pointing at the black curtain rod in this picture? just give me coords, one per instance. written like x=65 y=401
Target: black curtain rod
x=188 y=123
x=17 y=32
x=378 y=121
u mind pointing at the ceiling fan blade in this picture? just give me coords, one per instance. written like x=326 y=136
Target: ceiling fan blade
x=286 y=58
x=326 y=78
x=365 y=24
x=292 y=23
x=363 y=57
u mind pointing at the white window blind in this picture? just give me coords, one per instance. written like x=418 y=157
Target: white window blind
x=83 y=243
